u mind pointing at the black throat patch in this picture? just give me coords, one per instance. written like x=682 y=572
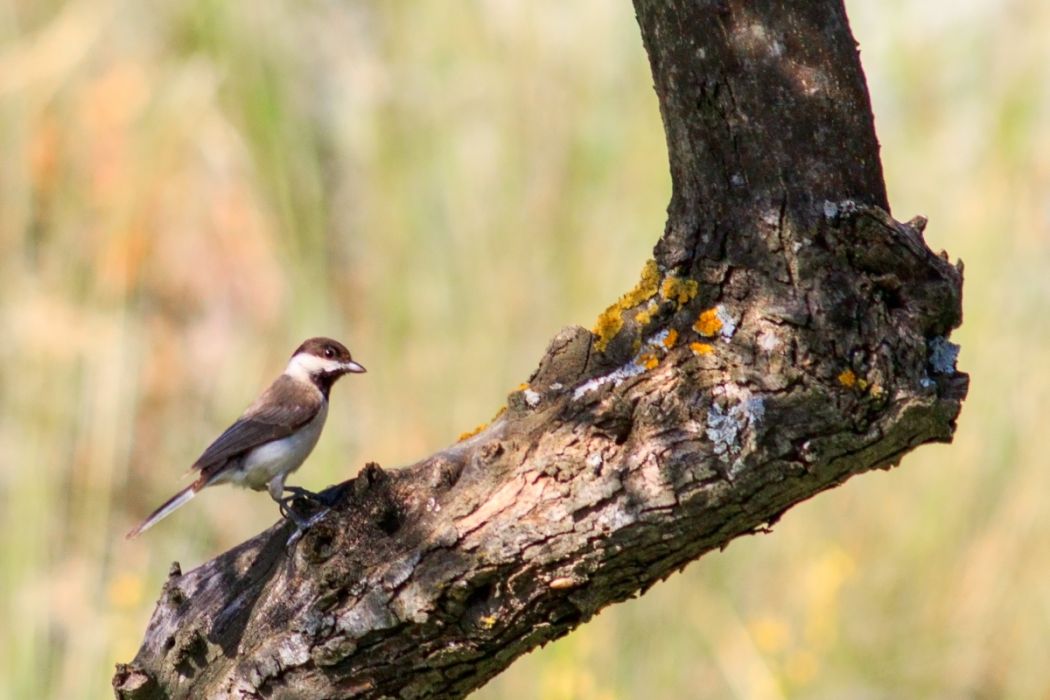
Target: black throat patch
x=324 y=381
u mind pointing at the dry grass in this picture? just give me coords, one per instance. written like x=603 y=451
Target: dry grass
x=188 y=189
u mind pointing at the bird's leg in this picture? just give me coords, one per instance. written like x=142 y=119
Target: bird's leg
x=285 y=505
x=301 y=526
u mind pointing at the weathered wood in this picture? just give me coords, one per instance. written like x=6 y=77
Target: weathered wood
x=788 y=335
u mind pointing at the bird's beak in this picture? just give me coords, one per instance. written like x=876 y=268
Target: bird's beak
x=354 y=367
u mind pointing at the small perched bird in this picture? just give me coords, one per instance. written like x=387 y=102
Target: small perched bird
x=275 y=435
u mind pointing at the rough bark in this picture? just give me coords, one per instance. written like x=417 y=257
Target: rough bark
x=788 y=335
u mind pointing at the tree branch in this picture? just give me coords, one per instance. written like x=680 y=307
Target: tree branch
x=788 y=335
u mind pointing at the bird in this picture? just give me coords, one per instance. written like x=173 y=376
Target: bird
x=274 y=436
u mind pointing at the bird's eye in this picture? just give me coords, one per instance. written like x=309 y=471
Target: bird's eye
x=329 y=352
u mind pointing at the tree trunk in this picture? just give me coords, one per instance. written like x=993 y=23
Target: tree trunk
x=788 y=335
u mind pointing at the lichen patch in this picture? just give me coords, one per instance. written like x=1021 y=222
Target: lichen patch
x=714 y=322
x=702 y=349
x=708 y=324
x=643 y=317
x=680 y=290
x=725 y=426
x=943 y=355
x=610 y=322
x=471 y=433
x=658 y=340
x=532 y=398
x=649 y=360
x=631 y=369
x=608 y=325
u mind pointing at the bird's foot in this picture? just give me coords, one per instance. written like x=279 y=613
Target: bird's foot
x=320 y=498
x=323 y=502
x=287 y=511
x=285 y=505
x=301 y=526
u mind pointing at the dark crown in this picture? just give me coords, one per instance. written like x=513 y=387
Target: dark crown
x=326 y=348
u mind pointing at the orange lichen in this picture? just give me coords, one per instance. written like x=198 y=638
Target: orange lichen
x=702 y=348
x=708 y=324
x=610 y=322
x=679 y=289
x=847 y=378
x=607 y=326
x=499 y=414
x=649 y=360
x=643 y=317
x=522 y=387
x=671 y=338
x=471 y=433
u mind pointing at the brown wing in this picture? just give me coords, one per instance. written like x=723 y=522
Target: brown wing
x=283 y=408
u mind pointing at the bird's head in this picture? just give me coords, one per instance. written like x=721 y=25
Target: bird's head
x=322 y=361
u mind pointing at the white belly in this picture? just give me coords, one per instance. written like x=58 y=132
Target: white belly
x=282 y=456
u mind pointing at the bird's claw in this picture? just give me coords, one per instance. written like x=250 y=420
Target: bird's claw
x=287 y=509
x=301 y=526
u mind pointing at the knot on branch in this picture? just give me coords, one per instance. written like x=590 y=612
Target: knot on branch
x=903 y=271
x=132 y=683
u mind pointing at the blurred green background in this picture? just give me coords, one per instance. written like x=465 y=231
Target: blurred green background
x=188 y=189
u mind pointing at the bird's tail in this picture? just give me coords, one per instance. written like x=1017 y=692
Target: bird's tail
x=173 y=503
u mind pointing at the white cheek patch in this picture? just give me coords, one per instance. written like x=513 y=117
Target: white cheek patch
x=304 y=365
